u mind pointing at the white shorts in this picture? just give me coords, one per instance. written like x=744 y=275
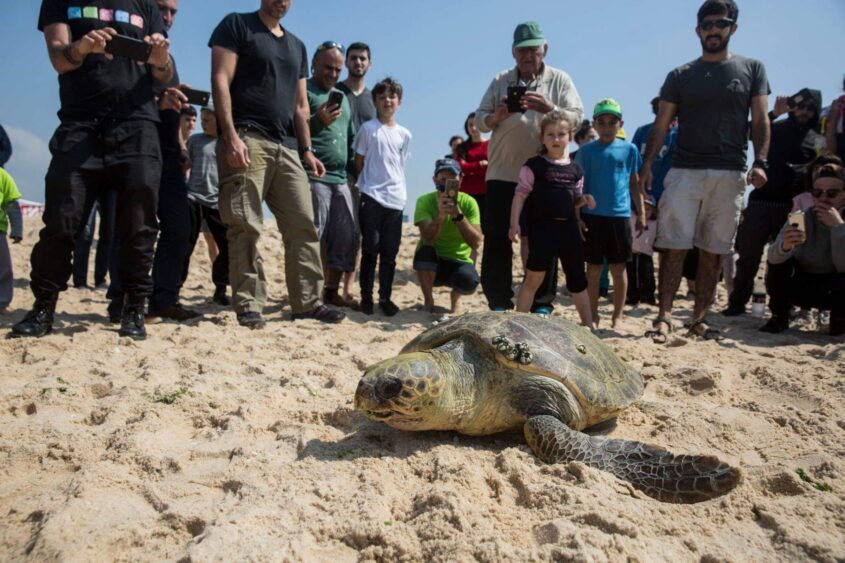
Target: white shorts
x=700 y=208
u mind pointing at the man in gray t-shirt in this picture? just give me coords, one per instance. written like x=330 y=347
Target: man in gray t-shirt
x=702 y=198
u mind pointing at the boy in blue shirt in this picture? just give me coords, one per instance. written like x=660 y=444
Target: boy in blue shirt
x=610 y=176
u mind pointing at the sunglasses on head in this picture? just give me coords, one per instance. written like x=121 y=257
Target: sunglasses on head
x=330 y=45
x=829 y=194
x=723 y=23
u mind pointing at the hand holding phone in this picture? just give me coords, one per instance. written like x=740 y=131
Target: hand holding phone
x=514 y=99
x=796 y=219
x=452 y=188
x=129 y=47
x=196 y=97
x=335 y=99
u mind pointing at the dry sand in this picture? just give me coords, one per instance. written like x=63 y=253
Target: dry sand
x=208 y=442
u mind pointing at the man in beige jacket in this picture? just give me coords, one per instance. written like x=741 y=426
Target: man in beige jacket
x=516 y=138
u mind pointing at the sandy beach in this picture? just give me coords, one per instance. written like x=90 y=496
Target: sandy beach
x=210 y=442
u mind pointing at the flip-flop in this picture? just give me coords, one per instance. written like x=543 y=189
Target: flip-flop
x=708 y=334
x=657 y=335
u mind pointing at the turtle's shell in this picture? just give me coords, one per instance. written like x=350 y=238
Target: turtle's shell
x=601 y=382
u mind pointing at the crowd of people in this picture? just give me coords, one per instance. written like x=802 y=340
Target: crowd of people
x=328 y=159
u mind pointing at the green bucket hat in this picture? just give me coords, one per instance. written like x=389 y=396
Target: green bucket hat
x=607 y=106
x=528 y=34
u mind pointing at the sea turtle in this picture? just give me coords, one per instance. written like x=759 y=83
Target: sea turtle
x=483 y=373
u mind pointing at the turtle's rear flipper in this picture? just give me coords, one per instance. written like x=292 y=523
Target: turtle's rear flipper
x=657 y=472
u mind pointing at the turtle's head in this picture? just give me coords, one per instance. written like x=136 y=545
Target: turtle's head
x=403 y=392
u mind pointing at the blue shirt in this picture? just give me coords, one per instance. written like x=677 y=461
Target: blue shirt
x=607 y=176
x=663 y=162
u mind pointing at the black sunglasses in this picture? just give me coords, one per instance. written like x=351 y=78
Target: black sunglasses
x=330 y=45
x=723 y=23
x=808 y=107
x=830 y=194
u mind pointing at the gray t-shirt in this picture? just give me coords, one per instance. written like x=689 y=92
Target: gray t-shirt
x=363 y=107
x=202 y=184
x=713 y=104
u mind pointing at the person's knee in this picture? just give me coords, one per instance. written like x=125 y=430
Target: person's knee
x=465 y=280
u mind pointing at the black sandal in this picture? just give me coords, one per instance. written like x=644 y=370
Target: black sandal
x=708 y=334
x=657 y=335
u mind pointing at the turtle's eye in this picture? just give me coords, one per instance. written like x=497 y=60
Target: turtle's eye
x=388 y=388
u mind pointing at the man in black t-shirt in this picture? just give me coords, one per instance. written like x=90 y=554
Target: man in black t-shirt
x=258 y=71
x=173 y=215
x=106 y=139
x=700 y=206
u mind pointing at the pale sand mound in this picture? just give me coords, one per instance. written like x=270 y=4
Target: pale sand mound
x=260 y=455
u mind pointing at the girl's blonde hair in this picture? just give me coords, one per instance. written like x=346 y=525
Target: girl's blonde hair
x=554 y=116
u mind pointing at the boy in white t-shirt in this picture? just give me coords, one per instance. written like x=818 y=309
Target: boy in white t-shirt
x=382 y=148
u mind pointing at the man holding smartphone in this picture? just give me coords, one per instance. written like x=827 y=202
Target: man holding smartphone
x=332 y=135
x=258 y=71
x=792 y=148
x=515 y=138
x=106 y=139
x=450 y=230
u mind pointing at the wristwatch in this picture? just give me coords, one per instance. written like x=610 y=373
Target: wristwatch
x=458 y=218
x=760 y=163
x=304 y=150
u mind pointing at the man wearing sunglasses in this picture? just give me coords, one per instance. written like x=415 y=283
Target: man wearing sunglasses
x=258 y=72
x=711 y=97
x=807 y=262
x=792 y=147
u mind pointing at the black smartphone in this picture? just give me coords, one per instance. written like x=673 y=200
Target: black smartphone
x=801 y=97
x=452 y=188
x=335 y=98
x=129 y=47
x=196 y=97
x=514 y=100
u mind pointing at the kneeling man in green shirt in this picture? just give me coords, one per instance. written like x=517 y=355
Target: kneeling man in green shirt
x=449 y=232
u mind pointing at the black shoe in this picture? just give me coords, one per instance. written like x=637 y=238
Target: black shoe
x=221 y=297
x=175 y=312
x=367 y=305
x=321 y=313
x=132 y=319
x=251 y=319
x=775 y=325
x=837 y=326
x=734 y=310
x=388 y=307
x=38 y=322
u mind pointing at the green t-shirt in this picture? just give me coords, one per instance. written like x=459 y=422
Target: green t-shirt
x=450 y=244
x=332 y=144
x=8 y=193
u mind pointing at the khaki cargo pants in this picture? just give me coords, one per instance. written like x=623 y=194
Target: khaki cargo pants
x=275 y=176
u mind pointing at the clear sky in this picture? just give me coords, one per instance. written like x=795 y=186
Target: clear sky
x=446 y=52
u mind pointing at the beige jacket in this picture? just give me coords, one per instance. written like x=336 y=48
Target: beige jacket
x=517 y=138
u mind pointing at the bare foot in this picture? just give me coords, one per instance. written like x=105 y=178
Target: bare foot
x=458 y=309
x=615 y=320
x=428 y=306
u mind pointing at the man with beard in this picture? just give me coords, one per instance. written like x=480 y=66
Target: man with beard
x=258 y=71
x=358 y=63
x=792 y=149
x=711 y=97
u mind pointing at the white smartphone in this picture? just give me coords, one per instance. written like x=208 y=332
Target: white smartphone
x=796 y=219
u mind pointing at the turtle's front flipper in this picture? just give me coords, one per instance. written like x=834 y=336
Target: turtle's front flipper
x=657 y=472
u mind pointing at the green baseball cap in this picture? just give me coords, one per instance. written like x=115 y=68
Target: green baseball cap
x=607 y=106
x=528 y=34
